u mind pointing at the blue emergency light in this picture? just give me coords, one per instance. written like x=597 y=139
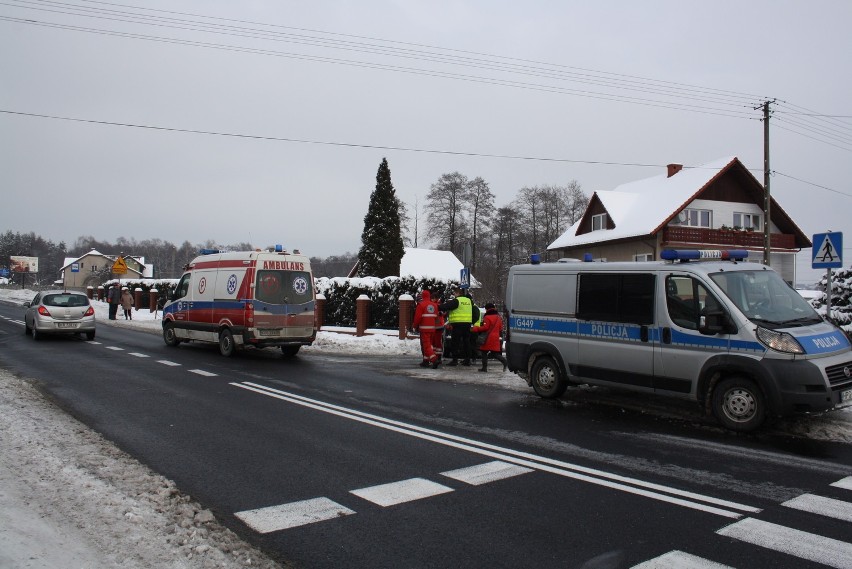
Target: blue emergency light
x=209 y=251
x=704 y=254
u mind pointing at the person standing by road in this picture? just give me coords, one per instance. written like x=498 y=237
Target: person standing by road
x=426 y=322
x=114 y=299
x=460 y=317
x=127 y=303
x=492 y=325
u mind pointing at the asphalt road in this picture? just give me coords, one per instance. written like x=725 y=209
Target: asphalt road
x=357 y=461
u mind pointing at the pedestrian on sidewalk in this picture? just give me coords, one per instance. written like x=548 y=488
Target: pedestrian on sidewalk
x=460 y=309
x=127 y=303
x=426 y=322
x=492 y=325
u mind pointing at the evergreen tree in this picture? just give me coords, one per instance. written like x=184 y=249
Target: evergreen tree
x=381 y=242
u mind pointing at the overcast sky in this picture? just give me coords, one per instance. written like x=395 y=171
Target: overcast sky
x=305 y=98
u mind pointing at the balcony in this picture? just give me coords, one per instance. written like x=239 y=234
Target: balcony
x=727 y=237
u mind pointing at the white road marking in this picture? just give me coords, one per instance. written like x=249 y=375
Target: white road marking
x=680 y=560
x=607 y=479
x=168 y=363
x=138 y=355
x=837 y=509
x=94 y=343
x=845 y=483
x=116 y=348
x=485 y=473
x=202 y=372
x=804 y=545
x=295 y=514
x=400 y=492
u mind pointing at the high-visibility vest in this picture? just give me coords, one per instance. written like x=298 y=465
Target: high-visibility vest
x=464 y=312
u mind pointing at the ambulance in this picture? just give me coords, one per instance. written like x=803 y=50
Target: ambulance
x=703 y=326
x=243 y=299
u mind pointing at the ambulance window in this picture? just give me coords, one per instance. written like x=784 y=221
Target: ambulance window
x=611 y=297
x=284 y=287
x=183 y=287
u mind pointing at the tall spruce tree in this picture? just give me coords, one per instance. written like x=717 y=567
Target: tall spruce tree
x=381 y=242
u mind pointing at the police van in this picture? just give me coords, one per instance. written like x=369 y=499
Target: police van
x=244 y=299
x=700 y=325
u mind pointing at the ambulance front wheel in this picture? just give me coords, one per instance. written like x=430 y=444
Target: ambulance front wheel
x=547 y=380
x=169 y=336
x=739 y=404
x=226 y=343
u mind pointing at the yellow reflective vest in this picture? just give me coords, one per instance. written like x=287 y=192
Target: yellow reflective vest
x=464 y=312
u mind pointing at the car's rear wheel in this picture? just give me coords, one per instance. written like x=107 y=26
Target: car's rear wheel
x=36 y=334
x=546 y=377
x=90 y=335
x=226 y=343
x=27 y=329
x=290 y=351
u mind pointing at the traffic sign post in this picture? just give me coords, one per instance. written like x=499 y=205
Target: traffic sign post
x=827 y=254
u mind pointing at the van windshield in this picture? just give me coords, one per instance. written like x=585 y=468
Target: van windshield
x=766 y=299
x=284 y=287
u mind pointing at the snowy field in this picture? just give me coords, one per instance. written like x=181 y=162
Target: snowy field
x=69 y=498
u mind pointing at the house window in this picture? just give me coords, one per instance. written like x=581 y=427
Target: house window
x=644 y=257
x=747 y=221
x=694 y=218
x=599 y=222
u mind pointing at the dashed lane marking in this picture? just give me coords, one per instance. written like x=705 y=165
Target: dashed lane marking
x=846 y=483
x=168 y=363
x=115 y=348
x=837 y=509
x=93 y=342
x=801 y=544
x=680 y=560
x=138 y=355
x=403 y=491
x=285 y=516
x=485 y=473
x=202 y=372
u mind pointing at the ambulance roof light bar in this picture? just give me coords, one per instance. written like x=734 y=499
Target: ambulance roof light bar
x=684 y=255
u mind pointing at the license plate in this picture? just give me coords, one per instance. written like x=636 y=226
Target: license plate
x=66 y=325
x=274 y=332
x=846 y=396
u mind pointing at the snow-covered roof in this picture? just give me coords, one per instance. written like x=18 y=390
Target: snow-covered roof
x=642 y=207
x=432 y=263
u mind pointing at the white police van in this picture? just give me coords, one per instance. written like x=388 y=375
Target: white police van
x=703 y=326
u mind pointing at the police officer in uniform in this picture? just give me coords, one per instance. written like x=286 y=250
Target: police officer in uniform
x=460 y=318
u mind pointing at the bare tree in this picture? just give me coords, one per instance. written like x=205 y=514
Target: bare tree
x=446 y=203
x=481 y=204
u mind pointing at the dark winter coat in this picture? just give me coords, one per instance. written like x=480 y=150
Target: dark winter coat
x=493 y=325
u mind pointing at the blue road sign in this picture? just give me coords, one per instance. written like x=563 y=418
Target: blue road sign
x=827 y=251
x=464 y=278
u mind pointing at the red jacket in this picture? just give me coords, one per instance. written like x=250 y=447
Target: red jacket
x=426 y=315
x=493 y=324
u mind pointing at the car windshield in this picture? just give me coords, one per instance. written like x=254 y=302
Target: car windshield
x=766 y=299
x=65 y=299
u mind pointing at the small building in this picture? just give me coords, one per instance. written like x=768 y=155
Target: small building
x=94 y=267
x=432 y=263
x=715 y=206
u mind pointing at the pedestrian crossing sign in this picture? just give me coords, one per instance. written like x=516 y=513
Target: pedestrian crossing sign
x=827 y=251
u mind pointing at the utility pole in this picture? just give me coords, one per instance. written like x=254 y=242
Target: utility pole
x=767 y=246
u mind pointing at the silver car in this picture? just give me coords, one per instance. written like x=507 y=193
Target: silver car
x=59 y=312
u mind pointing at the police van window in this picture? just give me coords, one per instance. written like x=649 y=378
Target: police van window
x=612 y=297
x=687 y=300
x=284 y=287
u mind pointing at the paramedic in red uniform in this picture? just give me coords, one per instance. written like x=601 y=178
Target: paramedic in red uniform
x=426 y=321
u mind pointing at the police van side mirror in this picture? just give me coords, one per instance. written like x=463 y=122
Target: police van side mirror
x=716 y=322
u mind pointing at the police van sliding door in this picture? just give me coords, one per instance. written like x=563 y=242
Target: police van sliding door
x=617 y=337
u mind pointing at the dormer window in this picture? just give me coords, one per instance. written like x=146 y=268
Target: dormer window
x=599 y=222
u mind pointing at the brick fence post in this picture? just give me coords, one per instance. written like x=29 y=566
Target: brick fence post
x=406 y=302
x=90 y=292
x=101 y=292
x=152 y=299
x=319 y=311
x=362 y=314
x=137 y=298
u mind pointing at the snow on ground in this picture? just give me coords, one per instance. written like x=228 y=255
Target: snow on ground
x=69 y=498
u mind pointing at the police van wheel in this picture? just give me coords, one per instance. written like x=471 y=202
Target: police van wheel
x=547 y=380
x=169 y=335
x=226 y=343
x=738 y=404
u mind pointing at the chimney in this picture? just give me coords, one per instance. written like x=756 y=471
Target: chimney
x=674 y=169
